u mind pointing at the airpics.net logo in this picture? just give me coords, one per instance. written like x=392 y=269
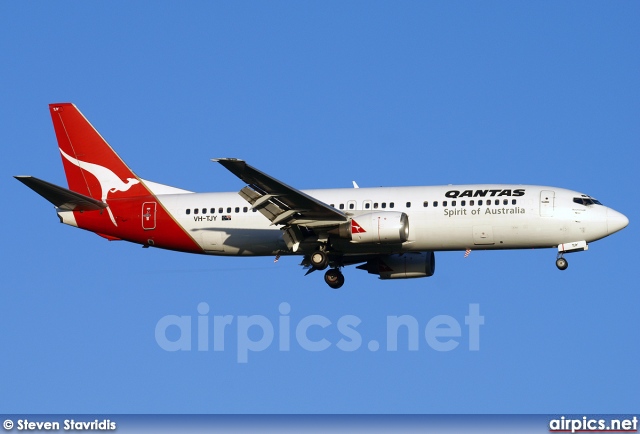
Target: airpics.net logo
x=313 y=333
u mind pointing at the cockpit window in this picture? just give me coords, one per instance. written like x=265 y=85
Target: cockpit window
x=586 y=200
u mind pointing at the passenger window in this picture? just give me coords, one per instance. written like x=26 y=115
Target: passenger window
x=213 y=210
x=408 y=204
x=471 y=202
x=425 y=203
x=391 y=205
x=342 y=206
x=188 y=211
x=352 y=205
x=444 y=203
x=463 y=203
x=384 y=204
x=488 y=201
x=453 y=203
x=204 y=210
x=367 y=205
x=245 y=209
x=435 y=204
x=237 y=209
x=220 y=210
x=332 y=205
x=505 y=202
x=513 y=202
x=229 y=210
x=375 y=205
x=480 y=202
x=195 y=210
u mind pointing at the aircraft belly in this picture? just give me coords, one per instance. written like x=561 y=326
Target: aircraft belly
x=447 y=237
x=211 y=240
x=242 y=242
x=346 y=246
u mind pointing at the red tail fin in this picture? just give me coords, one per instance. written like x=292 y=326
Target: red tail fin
x=90 y=164
x=93 y=169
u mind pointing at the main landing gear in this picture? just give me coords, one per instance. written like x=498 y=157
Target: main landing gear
x=319 y=260
x=334 y=278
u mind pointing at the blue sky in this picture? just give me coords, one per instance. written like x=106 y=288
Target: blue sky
x=319 y=94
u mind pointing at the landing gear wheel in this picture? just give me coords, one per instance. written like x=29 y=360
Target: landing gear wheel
x=319 y=260
x=562 y=264
x=334 y=278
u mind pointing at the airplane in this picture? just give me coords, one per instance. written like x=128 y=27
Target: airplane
x=391 y=232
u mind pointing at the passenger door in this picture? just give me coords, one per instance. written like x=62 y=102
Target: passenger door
x=547 y=203
x=149 y=216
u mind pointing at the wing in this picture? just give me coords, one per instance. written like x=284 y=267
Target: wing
x=279 y=202
x=282 y=204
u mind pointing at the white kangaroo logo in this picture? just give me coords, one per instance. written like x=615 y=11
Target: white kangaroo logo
x=109 y=181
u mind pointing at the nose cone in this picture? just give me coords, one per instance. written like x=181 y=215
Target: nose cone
x=615 y=221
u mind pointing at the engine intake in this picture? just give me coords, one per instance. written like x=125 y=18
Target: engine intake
x=386 y=227
x=402 y=266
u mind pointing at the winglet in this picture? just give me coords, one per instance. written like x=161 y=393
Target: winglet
x=355 y=185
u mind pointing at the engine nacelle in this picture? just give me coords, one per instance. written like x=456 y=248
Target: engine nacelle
x=402 y=266
x=384 y=227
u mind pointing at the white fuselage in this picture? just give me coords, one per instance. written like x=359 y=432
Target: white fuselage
x=483 y=216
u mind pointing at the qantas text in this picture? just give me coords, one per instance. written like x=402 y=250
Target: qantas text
x=453 y=194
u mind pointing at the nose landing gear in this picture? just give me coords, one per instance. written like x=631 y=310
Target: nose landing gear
x=561 y=263
x=576 y=246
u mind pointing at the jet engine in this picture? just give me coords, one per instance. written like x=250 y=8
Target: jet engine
x=385 y=227
x=402 y=266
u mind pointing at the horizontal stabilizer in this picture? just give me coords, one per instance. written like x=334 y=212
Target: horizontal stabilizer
x=61 y=197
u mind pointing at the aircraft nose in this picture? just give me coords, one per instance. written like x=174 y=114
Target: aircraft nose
x=616 y=221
